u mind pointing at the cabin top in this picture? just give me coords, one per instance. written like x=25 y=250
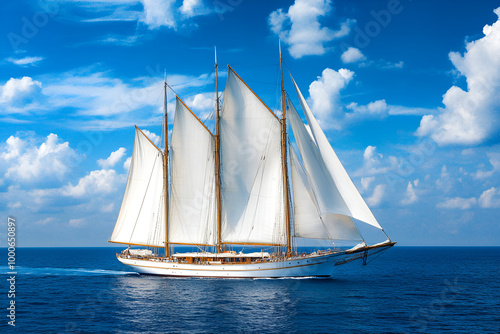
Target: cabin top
x=225 y=254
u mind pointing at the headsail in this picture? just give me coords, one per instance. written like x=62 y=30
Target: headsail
x=352 y=198
x=193 y=204
x=141 y=217
x=309 y=221
x=252 y=191
x=320 y=211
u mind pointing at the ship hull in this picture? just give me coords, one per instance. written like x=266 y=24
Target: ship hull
x=306 y=266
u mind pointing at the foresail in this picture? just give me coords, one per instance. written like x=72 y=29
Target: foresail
x=309 y=222
x=193 y=203
x=141 y=217
x=320 y=211
x=352 y=198
x=252 y=187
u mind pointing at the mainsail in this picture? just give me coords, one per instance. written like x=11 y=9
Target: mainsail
x=350 y=195
x=141 y=217
x=252 y=190
x=193 y=205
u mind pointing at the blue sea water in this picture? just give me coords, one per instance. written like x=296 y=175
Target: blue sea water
x=406 y=290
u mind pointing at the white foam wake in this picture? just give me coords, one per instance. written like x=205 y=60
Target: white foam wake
x=52 y=271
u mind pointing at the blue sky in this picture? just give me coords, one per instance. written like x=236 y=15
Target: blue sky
x=407 y=92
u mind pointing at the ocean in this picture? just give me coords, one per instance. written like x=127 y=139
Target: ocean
x=405 y=290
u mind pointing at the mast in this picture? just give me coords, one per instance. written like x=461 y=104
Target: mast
x=217 y=158
x=284 y=160
x=165 y=169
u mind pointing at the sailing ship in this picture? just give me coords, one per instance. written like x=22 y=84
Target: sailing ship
x=244 y=185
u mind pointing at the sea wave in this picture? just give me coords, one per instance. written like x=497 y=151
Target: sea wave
x=53 y=271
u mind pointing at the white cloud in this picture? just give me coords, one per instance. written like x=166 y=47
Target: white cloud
x=494 y=159
x=126 y=164
x=377 y=196
x=191 y=8
x=113 y=158
x=325 y=93
x=44 y=221
x=301 y=30
x=108 y=208
x=98 y=94
x=17 y=92
x=352 y=55
x=490 y=198
x=153 y=137
x=28 y=163
x=377 y=108
x=77 y=222
x=25 y=60
x=15 y=146
x=155 y=14
x=325 y=102
x=457 y=203
x=470 y=117
x=375 y=164
x=203 y=104
x=14 y=205
x=444 y=182
x=159 y=13
x=366 y=181
x=410 y=196
x=96 y=182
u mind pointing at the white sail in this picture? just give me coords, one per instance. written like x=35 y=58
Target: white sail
x=320 y=211
x=141 y=218
x=308 y=222
x=252 y=189
x=352 y=198
x=193 y=202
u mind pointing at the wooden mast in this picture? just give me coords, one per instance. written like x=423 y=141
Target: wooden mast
x=284 y=160
x=165 y=169
x=217 y=158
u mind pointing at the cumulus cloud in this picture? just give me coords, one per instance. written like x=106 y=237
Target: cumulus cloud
x=444 y=182
x=325 y=102
x=192 y=8
x=158 y=13
x=494 y=159
x=152 y=136
x=375 y=164
x=300 y=28
x=457 y=203
x=377 y=108
x=113 y=158
x=490 y=198
x=31 y=163
x=378 y=195
x=96 y=182
x=17 y=92
x=126 y=164
x=410 y=196
x=366 y=181
x=325 y=93
x=470 y=117
x=352 y=55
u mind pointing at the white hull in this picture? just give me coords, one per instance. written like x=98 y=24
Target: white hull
x=310 y=266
